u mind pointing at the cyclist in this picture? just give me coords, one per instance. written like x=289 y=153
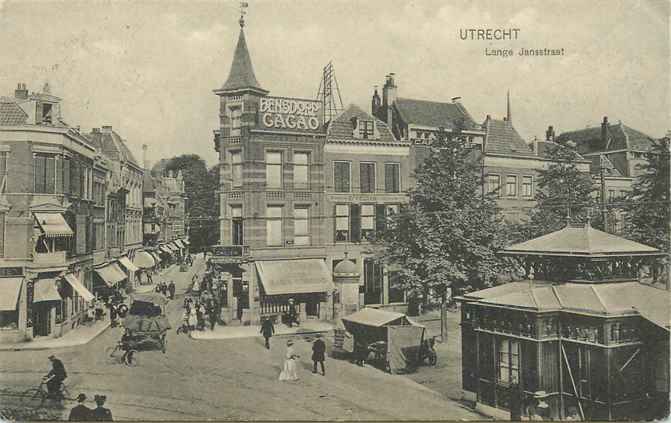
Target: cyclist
x=55 y=377
x=125 y=346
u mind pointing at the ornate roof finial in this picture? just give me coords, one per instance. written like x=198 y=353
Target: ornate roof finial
x=243 y=5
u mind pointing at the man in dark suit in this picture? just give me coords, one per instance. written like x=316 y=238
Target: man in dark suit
x=267 y=330
x=100 y=413
x=80 y=412
x=55 y=377
x=318 y=350
x=292 y=315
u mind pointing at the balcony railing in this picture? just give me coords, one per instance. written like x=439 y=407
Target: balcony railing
x=57 y=258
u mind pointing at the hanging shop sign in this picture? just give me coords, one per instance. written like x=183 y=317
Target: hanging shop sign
x=290 y=114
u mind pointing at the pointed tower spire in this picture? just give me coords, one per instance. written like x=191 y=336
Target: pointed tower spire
x=241 y=76
x=508 y=113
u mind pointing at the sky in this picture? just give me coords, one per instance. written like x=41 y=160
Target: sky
x=148 y=68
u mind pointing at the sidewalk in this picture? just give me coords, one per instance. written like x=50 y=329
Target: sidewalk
x=79 y=336
x=233 y=332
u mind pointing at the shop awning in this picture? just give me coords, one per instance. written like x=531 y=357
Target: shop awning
x=294 y=276
x=144 y=260
x=376 y=318
x=165 y=248
x=156 y=256
x=186 y=242
x=45 y=290
x=77 y=286
x=125 y=262
x=10 y=289
x=179 y=243
x=111 y=274
x=53 y=225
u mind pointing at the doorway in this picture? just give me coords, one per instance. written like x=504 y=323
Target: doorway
x=312 y=309
x=41 y=319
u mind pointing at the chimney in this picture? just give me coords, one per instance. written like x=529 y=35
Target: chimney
x=375 y=103
x=107 y=129
x=21 y=91
x=145 y=163
x=550 y=134
x=389 y=97
x=604 y=132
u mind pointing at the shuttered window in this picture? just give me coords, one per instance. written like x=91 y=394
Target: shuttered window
x=380 y=223
x=66 y=175
x=75 y=179
x=355 y=222
x=392 y=174
x=367 y=177
x=341 y=176
x=81 y=239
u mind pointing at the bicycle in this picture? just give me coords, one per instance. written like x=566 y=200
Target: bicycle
x=36 y=397
x=120 y=356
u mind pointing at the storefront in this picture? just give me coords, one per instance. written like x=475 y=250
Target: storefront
x=145 y=262
x=10 y=304
x=131 y=270
x=111 y=279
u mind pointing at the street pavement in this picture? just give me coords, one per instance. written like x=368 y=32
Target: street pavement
x=234 y=379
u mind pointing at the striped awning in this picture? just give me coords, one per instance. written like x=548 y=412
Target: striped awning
x=179 y=243
x=156 y=256
x=165 y=248
x=175 y=246
x=111 y=274
x=77 y=286
x=10 y=290
x=144 y=260
x=53 y=225
x=125 y=262
x=45 y=290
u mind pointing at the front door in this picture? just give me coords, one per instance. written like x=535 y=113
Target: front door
x=41 y=319
x=312 y=308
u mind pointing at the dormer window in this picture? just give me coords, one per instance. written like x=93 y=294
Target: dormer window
x=46 y=114
x=366 y=129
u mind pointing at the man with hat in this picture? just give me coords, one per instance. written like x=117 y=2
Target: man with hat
x=293 y=314
x=267 y=330
x=80 y=412
x=100 y=413
x=318 y=350
x=55 y=377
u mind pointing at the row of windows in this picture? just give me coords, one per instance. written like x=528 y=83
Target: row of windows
x=511 y=187
x=353 y=223
x=55 y=174
x=342 y=177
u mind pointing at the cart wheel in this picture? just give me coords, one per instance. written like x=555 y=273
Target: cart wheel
x=131 y=358
x=433 y=359
x=164 y=343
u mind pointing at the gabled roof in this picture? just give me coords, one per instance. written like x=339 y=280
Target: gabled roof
x=11 y=114
x=434 y=114
x=617 y=298
x=341 y=127
x=580 y=241
x=502 y=138
x=602 y=161
x=112 y=145
x=619 y=137
x=241 y=74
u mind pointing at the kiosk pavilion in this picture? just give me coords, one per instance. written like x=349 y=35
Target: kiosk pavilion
x=582 y=332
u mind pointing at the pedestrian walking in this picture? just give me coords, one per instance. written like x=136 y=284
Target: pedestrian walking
x=80 y=412
x=171 y=289
x=318 y=350
x=200 y=315
x=113 y=315
x=292 y=316
x=193 y=319
x=212 y=315
x=289 y=372
x=267 y=330
x=100 y=413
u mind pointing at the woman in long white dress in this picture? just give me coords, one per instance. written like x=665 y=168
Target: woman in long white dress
x=289 y=370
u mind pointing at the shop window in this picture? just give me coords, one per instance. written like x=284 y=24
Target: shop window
x=527 y=186
x=341 y=176
x=236 y=168
x=511 y=186
x=508 y=361
x=9 y=319
x=367 y=177
x=392 y=176
x=301 y=225
x=274 y=226
x=236 y=225
x=342 y=222
x=372 y=281
x=301 y=170
x=493 y=184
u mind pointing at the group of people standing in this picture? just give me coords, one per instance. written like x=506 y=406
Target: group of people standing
x=198 y=312
x=289 y=370
x=167 y=289
x=82 y=413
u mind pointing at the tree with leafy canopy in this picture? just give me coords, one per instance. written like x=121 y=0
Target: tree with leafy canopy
x=448 y=233
x=563 y=192
x=200 y=185
x=647 y=208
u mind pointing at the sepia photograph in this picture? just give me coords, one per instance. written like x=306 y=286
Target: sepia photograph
x=338 y=210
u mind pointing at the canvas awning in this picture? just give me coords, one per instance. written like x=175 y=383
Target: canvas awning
x=156 y=256
x=144 y=260
x=111 y=274
x=179 y=243
x=77 y=286
x=53 y=225
x=376 y=318
x=10 y=289
x=294 y=276
x=125 y=262
x=45 y=290
x=165 y=248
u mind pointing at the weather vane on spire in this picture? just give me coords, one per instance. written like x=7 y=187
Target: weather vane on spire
x=243 y=5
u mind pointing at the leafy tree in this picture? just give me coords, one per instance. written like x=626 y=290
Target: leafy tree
x=447 y=235
x=200 y=186
x=562 y=191
x=647 y=207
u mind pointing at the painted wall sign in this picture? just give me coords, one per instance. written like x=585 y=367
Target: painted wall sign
x=290 y=114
